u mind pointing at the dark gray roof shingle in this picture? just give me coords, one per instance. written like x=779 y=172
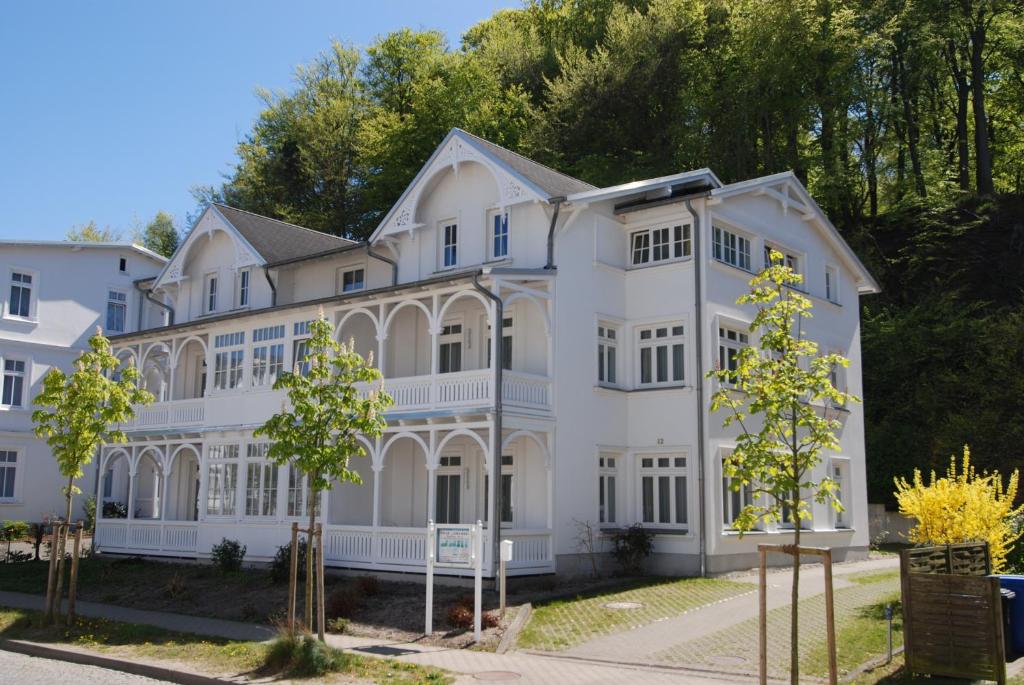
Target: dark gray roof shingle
x=555 y=183
x=277 y=240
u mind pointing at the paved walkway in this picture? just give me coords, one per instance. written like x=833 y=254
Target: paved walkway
x=31 y=670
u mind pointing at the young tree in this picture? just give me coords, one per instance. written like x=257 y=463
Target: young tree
x=91 y=233
x=779 y=395
x=317 y=431
x=160 y=235
x=80 y=413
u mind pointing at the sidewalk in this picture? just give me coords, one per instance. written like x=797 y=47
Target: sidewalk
x=531 y=669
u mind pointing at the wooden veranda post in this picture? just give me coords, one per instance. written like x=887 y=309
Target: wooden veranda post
x=73 y=583
x=293 y=576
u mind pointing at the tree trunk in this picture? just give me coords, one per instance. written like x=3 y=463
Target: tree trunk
x=913 y=131
x=870 y=157
x=982 y=154
x=960 y=86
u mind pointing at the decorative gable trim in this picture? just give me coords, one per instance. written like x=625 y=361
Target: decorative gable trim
x=211 y=220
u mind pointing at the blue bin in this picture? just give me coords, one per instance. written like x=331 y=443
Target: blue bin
x=1016 y=619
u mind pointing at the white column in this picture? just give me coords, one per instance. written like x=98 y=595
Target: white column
x=382 y=336
x=165 y=468
x=435 y=352
x=209 y=363
x=132 y=467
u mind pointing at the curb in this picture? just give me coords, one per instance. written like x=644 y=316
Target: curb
x=508 y=640
x=112 y=663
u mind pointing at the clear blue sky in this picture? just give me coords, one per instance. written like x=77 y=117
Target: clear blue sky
x=111 y=111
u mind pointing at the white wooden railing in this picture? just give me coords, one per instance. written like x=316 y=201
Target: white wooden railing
x=154 y=537
x=183 y=413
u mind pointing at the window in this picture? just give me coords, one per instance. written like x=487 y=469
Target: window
x=607 y=354
x=117 y=311
x=788 y=258
x=498 y=222
x=229 y=360
x=734 y=501
x=450 y=244
x=787 y=513
x=730 y=342
x=450 y=348
x=606 y=475
x=267 y=355
x=663 y=494
x=507 y=463
x=221 y=480
x=506 y=343
x=731 y=248
x=14 y=383
x=660 y=244
x=260 y=482
x=8 y=468
x=839 y=468
x=210 y=289
x=300 y=347
x=448 y=491
x=298 y=493
x=350 y=280
x=832 y=284
x=243 y=287
x=661 y=354
x=122 y=265
x=20 y=303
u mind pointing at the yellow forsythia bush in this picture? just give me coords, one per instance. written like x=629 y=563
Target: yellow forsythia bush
x=964 y=506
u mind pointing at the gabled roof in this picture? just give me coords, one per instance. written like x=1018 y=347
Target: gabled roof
x=276 y=240
x=85 y=244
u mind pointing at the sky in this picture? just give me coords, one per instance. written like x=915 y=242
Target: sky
x=111 y=111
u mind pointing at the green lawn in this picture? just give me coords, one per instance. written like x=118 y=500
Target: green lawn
x=209 y=655
x=562 y=624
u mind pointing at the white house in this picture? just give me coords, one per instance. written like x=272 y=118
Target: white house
x=55 y=294
x=613 y=304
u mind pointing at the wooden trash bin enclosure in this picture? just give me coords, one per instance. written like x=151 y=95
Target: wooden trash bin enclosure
x=952 y=612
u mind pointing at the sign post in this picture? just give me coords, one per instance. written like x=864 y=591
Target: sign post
x=478 y=589
x=455 y=546
x=506 y=556
x=431 y=533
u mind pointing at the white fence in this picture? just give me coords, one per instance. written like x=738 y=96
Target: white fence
x=147 y=537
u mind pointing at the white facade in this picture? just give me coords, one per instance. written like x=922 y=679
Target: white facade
x=602 y=415
x=55 y=294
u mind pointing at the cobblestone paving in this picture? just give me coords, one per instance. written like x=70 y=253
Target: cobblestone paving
x=562 y=624
x=30 y=670
x=735 y=648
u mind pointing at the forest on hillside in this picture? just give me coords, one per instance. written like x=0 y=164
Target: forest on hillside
x=905 y=118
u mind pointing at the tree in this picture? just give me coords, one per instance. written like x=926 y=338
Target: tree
x=80 y=413
x=779 y=395
x=317 y=431
x=160 y=235
x=91 y=233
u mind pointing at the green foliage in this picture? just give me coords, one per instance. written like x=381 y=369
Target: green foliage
x=11 y=531
x=160 y=235
x=227 y=555
x=80 y=413
x=91 y=233
x=631 y=546
x=300 y=654
x=281 y=566
x=115 y=510
x=90 y=514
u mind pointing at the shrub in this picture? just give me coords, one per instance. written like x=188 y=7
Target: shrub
x=963 y=506
x=341 y=603
x=300 y=654
x=115 y=510
x=90 y=514
x=281 y=566
x=368 y=586
x=631 y=546
x=337 y=625
x=228 y=555
x=11 y=531
x=175 y=587
x=460 y=614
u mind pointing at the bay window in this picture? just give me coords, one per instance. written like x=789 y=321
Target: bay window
x=607 y=474
x=661 y=354
x=663 y=491
x=607 y=354
x=735 y=497
x=730 y=342
x=660 y=244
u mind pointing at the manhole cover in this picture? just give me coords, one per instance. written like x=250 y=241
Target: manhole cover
x=493 y=676
x=623 y=605
x=726 y=660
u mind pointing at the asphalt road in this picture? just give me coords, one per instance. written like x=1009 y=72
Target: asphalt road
x=30 y=670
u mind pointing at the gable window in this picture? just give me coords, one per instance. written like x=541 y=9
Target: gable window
x=506 y=343
x=660 y=244
x=607 y=354
x=8 y=470
x=507 y=464
x=20 y=303
x=122 y=265
x=788 y=258
x=450 y=348
x=267 y=355
x=117 y=311
x=221 y=480
x=350 y=280
x=663 y=493
x=498 y=223
x=14 y=383
x=832 y=284
x=449 y=244
x=260 y=482
x=606 y=498
x=731 y=248
x=243 y=287
x=661 y=354
x=734 y=501
x=730 y=342
x=229 y=360
x=210 y=291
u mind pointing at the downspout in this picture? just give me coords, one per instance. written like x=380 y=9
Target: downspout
x=388 y=260
x=497 y=333
x=698 y=264
x=551 y=231
x=166 y=307
x=270 y=282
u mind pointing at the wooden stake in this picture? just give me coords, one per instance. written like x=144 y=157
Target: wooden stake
x=58 y=591
x=293 y=576
x=51 y=577
x=830 y=619
x=762 y=618
x=73 y=581
x=320 y=581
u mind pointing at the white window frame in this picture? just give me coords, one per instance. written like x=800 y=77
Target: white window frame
x=452 y=338
x=494 y=234
x=229 y=372
x=266 y=341
x=609 y=484
x=10 y=468
x=721 y=247
x=243 y=291
x=608 y=353
x=791 y=258
x=211 y=284
x=116 y=302
x=26 y=380
x=660 y=244
x=832 y=283
x=343 y=271
x=727 y=343
x=743 y=497
x=443 y=235
x=675 y=336
x=672 y=470
x=33 y=293
x=261 y=491
x=840 y=467
x=226 y=497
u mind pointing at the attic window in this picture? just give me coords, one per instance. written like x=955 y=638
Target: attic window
x=122 y=265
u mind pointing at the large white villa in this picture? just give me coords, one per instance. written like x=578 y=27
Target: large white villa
x=590 y=406
x=55 y=294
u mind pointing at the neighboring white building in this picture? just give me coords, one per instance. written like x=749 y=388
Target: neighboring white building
x=615 y=302
x=55 y=294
